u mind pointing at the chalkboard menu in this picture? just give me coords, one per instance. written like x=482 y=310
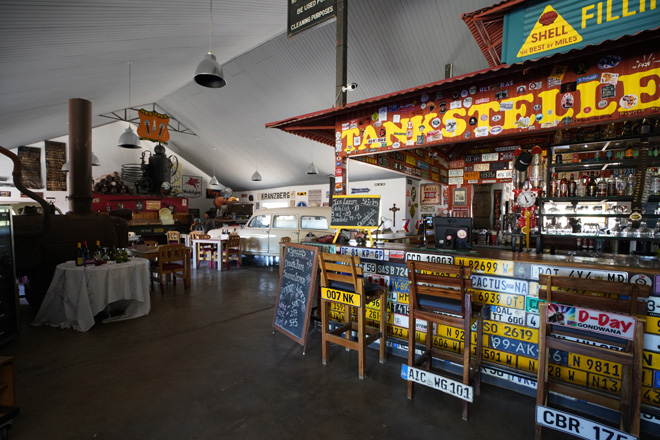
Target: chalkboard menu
x=55 y=158
x=355 y=212
x=31 y=163
x=298 y=273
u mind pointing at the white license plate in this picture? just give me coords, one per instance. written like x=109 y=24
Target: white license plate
x=441 y=259
x=371 y=254
x=440 y=383
x=577 y=426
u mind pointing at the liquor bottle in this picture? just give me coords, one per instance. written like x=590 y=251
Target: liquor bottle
x=610 y=131
x=630 y=184
x=97 y=252
x=79 y=256
x=581 y=190
x=85 y=252
x=620 y=185
x=646 y=127
x=563 y=187
x=553 y=185
x=601 y=188
x=655 y=184
x=627 y=129
x=591 y=187
x=572 y=187
x=611 y=185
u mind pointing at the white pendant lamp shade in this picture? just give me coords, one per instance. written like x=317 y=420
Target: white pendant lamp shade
x=256 y=177
x=209 y=73
x=214 y=181
x=95 y=163
x=129 y=139
x=311 y=169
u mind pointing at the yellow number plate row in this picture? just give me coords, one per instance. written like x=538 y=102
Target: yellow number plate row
x=490 y=267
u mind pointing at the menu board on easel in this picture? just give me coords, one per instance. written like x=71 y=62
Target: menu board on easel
x=55 y=159
x=31 y=163
x=298 y=273
x=355 y=212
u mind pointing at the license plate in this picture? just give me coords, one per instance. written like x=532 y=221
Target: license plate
x=577 y=426
x=537 y=269
x=514 y=346
x=506 y=315
x=440 y=383
x=350 y=298
x=496 y=284
x=429 y=258
x=653 y=306
x=651 y=342
x=498 y=299
x=594 y=365
x=653 y=325
x=368 y=253
x=511 y=331
x=489 y=267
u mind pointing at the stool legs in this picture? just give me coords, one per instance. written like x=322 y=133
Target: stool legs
x=362 y=341
x=383 y=329
x=325 y=325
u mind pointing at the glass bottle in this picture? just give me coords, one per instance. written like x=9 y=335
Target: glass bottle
x=79 y=255
x=620 y=185
x=563 y=187
x=581 y=190
x=611 y=185
x=601 y=188
x=85 y=252
x=97 y=252
x=646 y=127
x=627 y=129
x=553 y=185
x=591 y=187
x=655 y=183
x=630 y=184
x=572 y=187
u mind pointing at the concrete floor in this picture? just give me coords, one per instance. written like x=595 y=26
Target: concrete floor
x=204 y=364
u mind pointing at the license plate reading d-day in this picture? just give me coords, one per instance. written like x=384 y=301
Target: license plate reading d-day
x=446 y=385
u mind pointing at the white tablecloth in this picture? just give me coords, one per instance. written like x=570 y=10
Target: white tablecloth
x=77 y=293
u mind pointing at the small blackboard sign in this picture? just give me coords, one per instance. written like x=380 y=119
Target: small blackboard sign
x=298 y=273
x=355 y=212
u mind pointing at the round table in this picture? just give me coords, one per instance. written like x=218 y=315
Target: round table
x=78 y=293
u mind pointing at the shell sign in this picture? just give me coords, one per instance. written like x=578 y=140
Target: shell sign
x=591 y=89
x=153 y=127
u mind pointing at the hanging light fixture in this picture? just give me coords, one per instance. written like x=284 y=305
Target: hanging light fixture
x=214 y=180
x=129 y=138
x=95 y=163
x=209 y=72
x=256 y=177
x=311 y=169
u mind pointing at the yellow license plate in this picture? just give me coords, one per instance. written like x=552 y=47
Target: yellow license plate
x=604 y=383
x=397 y=332
x=594 y=365
x=402 y=298
x=350 y=298
x=653 y=325
x=448 y=344
x=499 y=299
x=375 y=316
x=651 y=360
x=566 y=374
x=511 y=331
x=647 y=377
x=500 y=357
x=491 y=267
x=375 y=305
x=650 y=396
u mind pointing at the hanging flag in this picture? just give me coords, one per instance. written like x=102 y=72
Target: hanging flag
x=153 y=127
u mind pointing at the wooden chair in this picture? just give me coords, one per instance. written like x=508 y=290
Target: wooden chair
x=342 y=281
x=174 y=261
x=205 y=252
x=173 y=237
x=620 y=298
x=232 y=251
x=439 y=295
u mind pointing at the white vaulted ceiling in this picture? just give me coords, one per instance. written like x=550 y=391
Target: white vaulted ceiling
x=54 y=50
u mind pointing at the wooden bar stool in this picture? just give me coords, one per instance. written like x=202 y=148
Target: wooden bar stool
x=439 y=295
x=563 y=327
x=342 y=282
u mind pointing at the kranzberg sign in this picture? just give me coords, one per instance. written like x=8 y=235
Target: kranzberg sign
x=612 y=324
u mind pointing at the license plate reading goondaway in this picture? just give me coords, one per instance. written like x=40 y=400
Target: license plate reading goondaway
x=577 y=426
x=446 y=385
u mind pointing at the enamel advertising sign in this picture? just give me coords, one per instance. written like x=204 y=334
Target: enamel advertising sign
x=542 y=28
x=612 y=324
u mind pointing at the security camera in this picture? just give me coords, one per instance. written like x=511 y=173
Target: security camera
x=347 y=87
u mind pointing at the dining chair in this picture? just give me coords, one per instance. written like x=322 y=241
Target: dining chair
x=174 y=261
x=205 y=251
x=232 y=250
x=173 y=237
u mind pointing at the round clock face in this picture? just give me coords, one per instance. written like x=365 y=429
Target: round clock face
x=526 y=199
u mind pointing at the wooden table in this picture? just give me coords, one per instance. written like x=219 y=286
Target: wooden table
x=218 y=242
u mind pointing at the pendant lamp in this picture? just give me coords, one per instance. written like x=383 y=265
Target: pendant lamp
x=208 y=72
x=311 y=169
x=214 y=180
x=256 y=177
x=95 y=163
x=129 y=138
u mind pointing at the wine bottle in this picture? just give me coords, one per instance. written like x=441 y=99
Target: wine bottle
x=97 y=252
x=563 y=187
x=601 y=188
x=572 y=187
x=85 y=252
x=553 y=185
x=591 y=187
x=79 y=256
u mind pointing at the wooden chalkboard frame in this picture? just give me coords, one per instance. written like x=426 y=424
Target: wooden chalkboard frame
x=310 y=294
x=356 y=226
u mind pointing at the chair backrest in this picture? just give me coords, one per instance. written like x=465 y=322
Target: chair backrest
x=579 y=292
x=196 y=234
x=439 y=287
x=234 y=241
x=173 y=236
x=203 y=237
x=171 y=252
x=341 y=269
x=151 y=243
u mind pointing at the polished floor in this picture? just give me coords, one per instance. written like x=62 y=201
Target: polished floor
x=204 y=364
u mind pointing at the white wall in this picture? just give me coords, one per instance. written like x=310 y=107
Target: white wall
x=391 y=191
x=104 y=146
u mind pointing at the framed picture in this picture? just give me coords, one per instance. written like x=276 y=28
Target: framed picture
x=460 y=196
x=139 y=205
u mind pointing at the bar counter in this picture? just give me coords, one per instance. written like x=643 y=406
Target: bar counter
x=506 y=283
